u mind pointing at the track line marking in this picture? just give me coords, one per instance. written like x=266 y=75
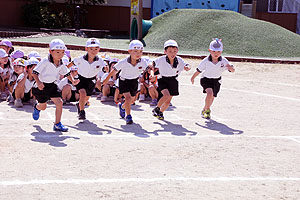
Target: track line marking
x=145 y=180
x=267 y=82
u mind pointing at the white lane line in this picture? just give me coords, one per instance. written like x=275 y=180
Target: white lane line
x=251 y=92
x=146 y=180
x=95 y=117
x=267 y=82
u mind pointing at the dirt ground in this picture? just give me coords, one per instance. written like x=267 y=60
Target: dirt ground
x=250 y=149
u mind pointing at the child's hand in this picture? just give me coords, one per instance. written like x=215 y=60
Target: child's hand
x=40 y=85
x=75 y=82
x=230 y=68
x=187 y=68
x=192 y=80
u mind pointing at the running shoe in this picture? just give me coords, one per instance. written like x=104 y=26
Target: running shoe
x=156 y=111
x=18 y=103
x=60 y=127
x=129 y=119
x=36 y=113
x=81 y=115
x=160 y=116
x=121 y=110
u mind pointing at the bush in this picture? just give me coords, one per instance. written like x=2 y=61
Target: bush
x=41 y=15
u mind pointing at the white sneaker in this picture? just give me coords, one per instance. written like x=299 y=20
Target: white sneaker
x=32 y=102
x=142 y=97
x=3 y=96
x=99 y=95
x=18 y=103
x=10 y=99
x=103 y=98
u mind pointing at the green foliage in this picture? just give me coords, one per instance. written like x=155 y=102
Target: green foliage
x=193 y=29
x=41 y=15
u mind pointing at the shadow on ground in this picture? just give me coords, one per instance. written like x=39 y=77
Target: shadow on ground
x=221 y=128
x=54 y=138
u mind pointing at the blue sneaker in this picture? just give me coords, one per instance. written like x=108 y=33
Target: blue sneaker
x=60 y=127
x=122 y=110
x=36 y=113
x=129 y=119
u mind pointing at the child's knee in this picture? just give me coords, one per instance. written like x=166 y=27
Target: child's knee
x=42 y=106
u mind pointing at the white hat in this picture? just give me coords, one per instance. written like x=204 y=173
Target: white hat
x=33 y=61
x=136 y=44
x=92 y=42
x=6 y=42
x=74 y=68
x=106 y=57
x=20 y=61
x=57 y=44
x=216 y=45
x=170 y=43
x=114 y=60
x=34 y=54
x=3 y=53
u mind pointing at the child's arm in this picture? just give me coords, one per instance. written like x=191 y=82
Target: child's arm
x=38 y=82
x=112 y=73
x=230 y=68
x=194 y=76
x=21 y=82
x=70 y=65
x=187 y=67
x=74 y=82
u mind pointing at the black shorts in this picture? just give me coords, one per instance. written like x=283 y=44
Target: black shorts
x=73 y=97
x=213 y=83
x=50 y=91
x=128 y=85
x=86 y=83
x=26 y=97
x=169 y=83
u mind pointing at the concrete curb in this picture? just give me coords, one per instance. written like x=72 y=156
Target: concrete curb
x=233 y=59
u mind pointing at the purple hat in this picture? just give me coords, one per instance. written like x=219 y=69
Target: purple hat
x=68 y=53
x=6 y=42
x=17 y=54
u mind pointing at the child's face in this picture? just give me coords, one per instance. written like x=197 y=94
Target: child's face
x=4 y=60
x=19 y=69
x=135 y=54
x=6 y=48
x=57 y=54
x=215 y=54
x=171 y=52
x=92 y=51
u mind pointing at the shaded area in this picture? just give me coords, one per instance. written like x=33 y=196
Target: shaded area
x=90 y=128
x=221 y=128
x=55 y=139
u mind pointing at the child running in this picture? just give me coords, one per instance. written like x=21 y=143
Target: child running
x=131 y=68
x=89 y=65
x=211 y=68
x=46 y=74
x=169 y=66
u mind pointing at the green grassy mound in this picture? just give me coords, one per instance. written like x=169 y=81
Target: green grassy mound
x=193 y=29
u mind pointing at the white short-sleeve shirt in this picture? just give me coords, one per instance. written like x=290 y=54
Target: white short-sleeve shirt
x=89 y=70
x=128 y=71
x=210 y=70
x=166 y=69
x=28 y=84
x=48 y=72
x=63 y=82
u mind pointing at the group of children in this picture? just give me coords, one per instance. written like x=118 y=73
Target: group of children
x=59 y=78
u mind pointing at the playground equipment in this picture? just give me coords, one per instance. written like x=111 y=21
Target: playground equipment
x=138 y=27
x=160 y=6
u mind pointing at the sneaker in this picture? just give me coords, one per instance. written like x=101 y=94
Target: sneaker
x=153 y=102
x=81 y=115
x=103 y=98
x=160 y=116
x=10 y=99
x=170 y=104
x=36 y=113
x=32 y=102
x=18 y=103
x=129 y=119
x=205 y=114
x=142 y=97
x=156 y=111
x=99 y=95
x=121 y=110
x=3 y=96
x=60 y=127
x=77 y=107
x=88 y=103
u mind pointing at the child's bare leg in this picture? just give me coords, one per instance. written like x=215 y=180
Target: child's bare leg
x=106 y=90
x=41 y=106
x=166 y=104
x=165 y=97
x=209 y=98
x=82 y=99
x=58 y=111
x=19 y=92
x=153 y=92
x=127 y=103
x=66 y=92
x=116 y=96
